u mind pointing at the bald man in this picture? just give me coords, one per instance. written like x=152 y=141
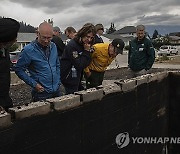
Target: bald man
x=41 y=60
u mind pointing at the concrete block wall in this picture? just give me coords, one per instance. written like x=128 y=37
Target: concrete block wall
x=89 y=121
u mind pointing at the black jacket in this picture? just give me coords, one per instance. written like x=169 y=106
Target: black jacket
x=98 y=39
x=73 y=55
x=59 y=44
x=5 y=100
x=141 y=54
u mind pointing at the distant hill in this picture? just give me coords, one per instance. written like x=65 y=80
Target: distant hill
x=24 y=27
x=162 y=29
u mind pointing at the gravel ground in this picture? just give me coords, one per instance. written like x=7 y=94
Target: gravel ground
x=20 y=94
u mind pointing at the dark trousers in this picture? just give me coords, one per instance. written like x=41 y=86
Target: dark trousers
x=95 y=79
x=38 y=96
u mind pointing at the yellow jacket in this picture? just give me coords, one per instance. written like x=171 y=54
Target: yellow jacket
x=100 y=58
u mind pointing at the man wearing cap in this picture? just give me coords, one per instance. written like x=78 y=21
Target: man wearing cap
x=58 y=41
x=99 y=32
x=102 y=56
x=141 y=54
x=8 y=34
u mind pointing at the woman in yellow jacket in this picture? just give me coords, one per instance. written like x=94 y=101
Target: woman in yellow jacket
x=102 y=56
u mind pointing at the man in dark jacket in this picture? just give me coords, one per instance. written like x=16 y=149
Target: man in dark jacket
x=141 y=54
x=8 y=34
x=99 y=32
x=58 y=41
x=76 y=57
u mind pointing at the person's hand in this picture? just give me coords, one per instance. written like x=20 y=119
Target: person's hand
x=87 y=47
x=88 y=74
x=39 y=88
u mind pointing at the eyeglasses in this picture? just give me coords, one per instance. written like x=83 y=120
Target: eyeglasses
x=45 y=38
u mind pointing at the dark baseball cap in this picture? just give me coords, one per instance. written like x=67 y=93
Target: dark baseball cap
x=119 y=45
x=8 y=29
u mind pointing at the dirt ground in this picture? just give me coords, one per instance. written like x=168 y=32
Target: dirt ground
x=171 y=60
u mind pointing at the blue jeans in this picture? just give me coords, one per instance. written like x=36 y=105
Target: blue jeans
x=38 y=96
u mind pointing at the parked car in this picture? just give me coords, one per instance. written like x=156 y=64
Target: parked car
x=14 y=56
x=167 y=50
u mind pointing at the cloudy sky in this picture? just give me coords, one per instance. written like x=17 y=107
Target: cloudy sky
x=78 y=12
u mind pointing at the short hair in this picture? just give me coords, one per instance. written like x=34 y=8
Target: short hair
x=140 y=27
x=99 y=26
x=69 y=30
x=56 y=29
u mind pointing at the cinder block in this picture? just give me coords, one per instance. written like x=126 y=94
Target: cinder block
x=141 y=79
x=111 y=88
x=177 y=73
x=5 y=119
x=90 y=94
x=152 y=77
x=65 y=102
x=32 y=109
x=162 y=75
x=127 y=85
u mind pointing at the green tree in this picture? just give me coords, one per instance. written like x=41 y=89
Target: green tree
x=111 y=29
x=155 y=34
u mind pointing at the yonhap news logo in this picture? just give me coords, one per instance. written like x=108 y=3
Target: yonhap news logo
x=123 y=140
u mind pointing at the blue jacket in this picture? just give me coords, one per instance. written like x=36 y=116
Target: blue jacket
x=42 y=70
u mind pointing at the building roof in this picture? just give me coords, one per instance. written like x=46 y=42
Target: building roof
x=26 y=37
x=112 y=36
x=174 y=38
x=174 y=34
x=126 y=30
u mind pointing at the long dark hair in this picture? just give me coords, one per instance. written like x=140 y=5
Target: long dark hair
x=86 y=29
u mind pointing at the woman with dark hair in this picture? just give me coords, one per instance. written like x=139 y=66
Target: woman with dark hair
x=76 y=57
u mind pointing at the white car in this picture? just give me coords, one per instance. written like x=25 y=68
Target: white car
x=167 y=50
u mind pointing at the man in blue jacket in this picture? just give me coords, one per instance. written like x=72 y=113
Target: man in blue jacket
x=40 y=58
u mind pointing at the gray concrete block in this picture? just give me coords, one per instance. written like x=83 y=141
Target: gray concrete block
x=5 y=119
x=162 y=75
x=141 y=79
x=174 y=72
x=106 y=82
x=127 y=85
x=65 y=102
x=111 y=88
x=152 y=77
x=90 y=94
x=32 y=109
x=158 y=76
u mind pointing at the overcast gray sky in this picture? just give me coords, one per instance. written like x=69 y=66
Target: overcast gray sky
x=78 y=12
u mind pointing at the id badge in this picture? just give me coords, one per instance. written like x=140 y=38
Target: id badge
x=141 y=49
